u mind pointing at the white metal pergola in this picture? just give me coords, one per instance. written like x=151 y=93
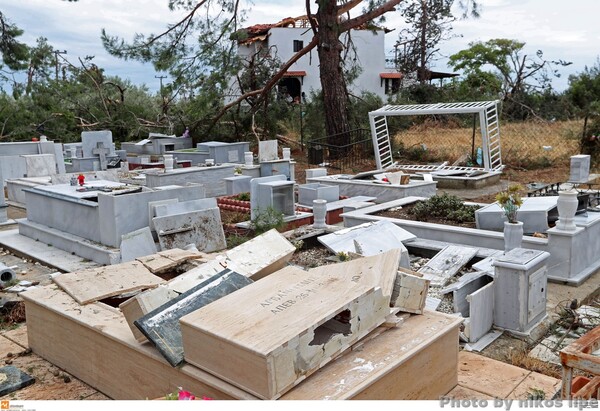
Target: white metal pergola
x=488 y=120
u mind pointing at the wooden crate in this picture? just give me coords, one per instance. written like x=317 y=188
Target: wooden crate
x=582 y=354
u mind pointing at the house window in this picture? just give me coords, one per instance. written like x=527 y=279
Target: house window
x=298 y=45
x=392 y=85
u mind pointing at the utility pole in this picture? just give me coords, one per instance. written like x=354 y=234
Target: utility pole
x=56 y=53
x=161 y=85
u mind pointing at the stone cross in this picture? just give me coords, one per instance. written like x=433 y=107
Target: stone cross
x=101 y=152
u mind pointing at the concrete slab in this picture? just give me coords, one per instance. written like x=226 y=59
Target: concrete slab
x=152 y=209
x=8 y=347
x=138 y=243
x=536 y=381
x=18 y=336
x=463 y=393
x=44 y=253
x=488 y=376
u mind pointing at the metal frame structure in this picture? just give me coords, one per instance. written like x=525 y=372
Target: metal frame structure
x=488 y=119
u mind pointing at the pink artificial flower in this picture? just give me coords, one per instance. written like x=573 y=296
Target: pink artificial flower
x=205 y=398
x=185 y=395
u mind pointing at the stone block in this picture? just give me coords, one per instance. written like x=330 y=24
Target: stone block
x=136 y=244
x=316 y=191
x=315 y=172
x=580 y=168
x=237 y=184
x=533 y=213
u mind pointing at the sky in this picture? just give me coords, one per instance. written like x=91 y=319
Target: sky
x=566 y=30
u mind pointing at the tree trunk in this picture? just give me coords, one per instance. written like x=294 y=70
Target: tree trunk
x=333 y=85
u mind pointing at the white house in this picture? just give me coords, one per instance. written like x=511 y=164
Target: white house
x=290 y=35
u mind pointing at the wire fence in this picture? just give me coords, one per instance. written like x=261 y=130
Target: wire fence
x=354 y=152
x=529 y=145
x=430 y=140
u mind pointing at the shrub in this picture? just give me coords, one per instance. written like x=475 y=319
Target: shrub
x=267 y=220
x=444 y=206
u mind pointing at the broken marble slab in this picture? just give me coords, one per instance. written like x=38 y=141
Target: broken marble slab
x=96 y=284
x=13 y=379
x=465 y=285
x=446 y=264
x=410 y=293
x=262 y=255
x=202 y=228
x=486 y=265
x=138 y=243
x=369 y=239
x=161 y=326
x=152 y=209
x=481 y=312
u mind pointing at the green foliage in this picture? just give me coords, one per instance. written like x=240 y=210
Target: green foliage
x=448 y=207
x=521 y=74
x=243 y=197
x=236 y=239
x=343 y=256
x=536 y=394
x=14 y=53
x=266 y=220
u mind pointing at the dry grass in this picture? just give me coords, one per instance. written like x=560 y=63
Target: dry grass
x=521 y=359
x=527 y=145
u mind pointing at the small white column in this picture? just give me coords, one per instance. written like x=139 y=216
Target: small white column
x=319 y=213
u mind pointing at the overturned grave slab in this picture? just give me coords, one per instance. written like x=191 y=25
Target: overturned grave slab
x=200 y=227
x=161 y=326
x=446 y=264
x=286 y=326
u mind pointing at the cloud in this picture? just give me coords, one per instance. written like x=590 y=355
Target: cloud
x=554 y=26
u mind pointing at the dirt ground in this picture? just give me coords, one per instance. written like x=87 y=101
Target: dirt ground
x=53 y=383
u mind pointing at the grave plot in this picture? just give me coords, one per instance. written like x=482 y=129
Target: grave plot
x=572 y=257
x=362 y=287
